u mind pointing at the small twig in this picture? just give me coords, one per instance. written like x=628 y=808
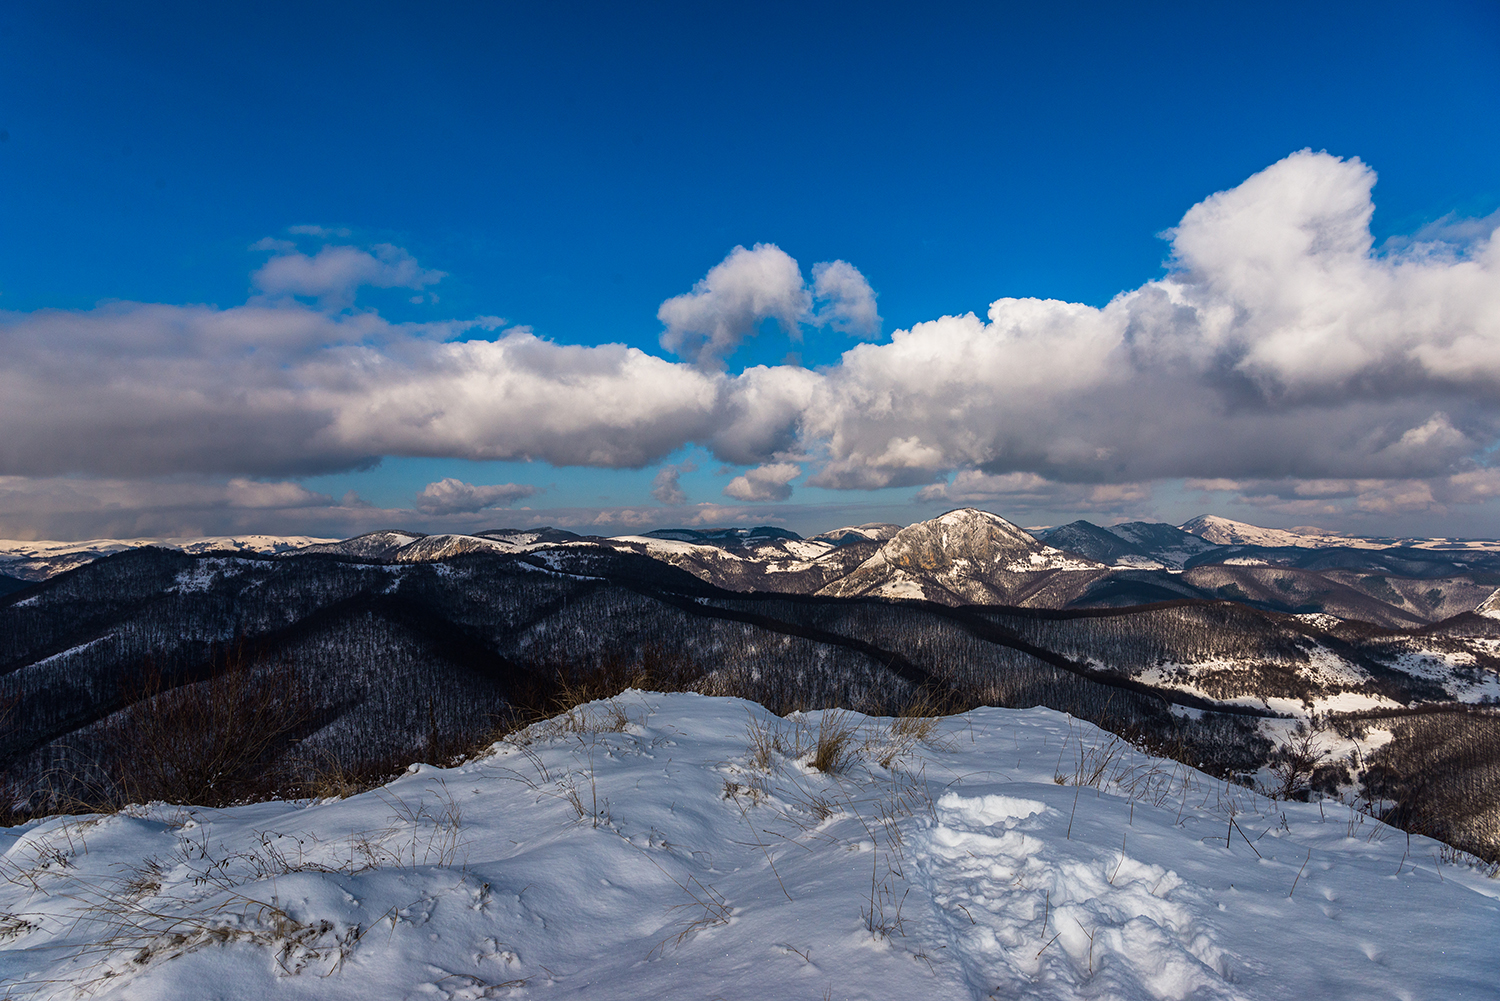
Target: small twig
x=1122 y=861
x=1246 y=837
x=1299 y=873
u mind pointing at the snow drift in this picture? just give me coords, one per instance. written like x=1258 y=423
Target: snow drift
x=684 y=846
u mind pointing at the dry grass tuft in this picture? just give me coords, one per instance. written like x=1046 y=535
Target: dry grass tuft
x=769 y=738
x=918 y=720
x=131 y=937
x=835 y=746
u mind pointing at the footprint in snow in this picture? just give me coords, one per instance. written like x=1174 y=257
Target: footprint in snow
x=1030 y=913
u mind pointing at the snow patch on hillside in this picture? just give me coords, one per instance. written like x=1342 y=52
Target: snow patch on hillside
x=1458 y=671
x=205 y=573
x=1336 y=677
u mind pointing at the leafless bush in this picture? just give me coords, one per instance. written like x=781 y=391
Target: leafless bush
x=209 y=742
x=1296 y=758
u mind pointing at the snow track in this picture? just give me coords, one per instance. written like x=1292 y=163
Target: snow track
x=1029 y=916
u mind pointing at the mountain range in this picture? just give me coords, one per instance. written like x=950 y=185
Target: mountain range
x=1215 y=651
x=964 y=557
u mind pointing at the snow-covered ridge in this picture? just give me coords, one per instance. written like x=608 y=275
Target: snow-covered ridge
x=669 y=846
x=1225 y=532
x=38 y=560
x=273 y=544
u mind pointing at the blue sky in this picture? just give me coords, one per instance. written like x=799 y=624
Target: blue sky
x=571 y=168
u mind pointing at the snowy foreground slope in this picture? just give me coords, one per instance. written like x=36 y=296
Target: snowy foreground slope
x=665 y=846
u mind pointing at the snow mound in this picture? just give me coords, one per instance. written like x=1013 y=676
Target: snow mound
x=664 y=846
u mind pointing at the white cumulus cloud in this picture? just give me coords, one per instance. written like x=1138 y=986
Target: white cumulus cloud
x=750 y=286
x=453 y=496
x=844 y=299
x=770 y=482
x=334 y=273
x=729 y=302
x=1281 y=344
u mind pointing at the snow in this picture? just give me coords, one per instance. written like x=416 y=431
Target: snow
x=873 y=532
x=434 y=548
x=68 y=652
x=92 y=548
x=1049 y=559
x=1324 y=668
x=667 y=846
x=205 y=573
x=665 y=549
x=17 y=549
x=1456 y=670
x=1226 y=532
x=805 y=549
x=900 y=584
x=1319 y=620
x=270 y=544
x=1137 y=563
x=1453 y=545
x=39 y=560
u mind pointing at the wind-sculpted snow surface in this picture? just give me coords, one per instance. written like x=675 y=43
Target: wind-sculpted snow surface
x=664 y=846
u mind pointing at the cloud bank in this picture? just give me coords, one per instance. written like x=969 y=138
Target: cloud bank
x=1283 y=357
